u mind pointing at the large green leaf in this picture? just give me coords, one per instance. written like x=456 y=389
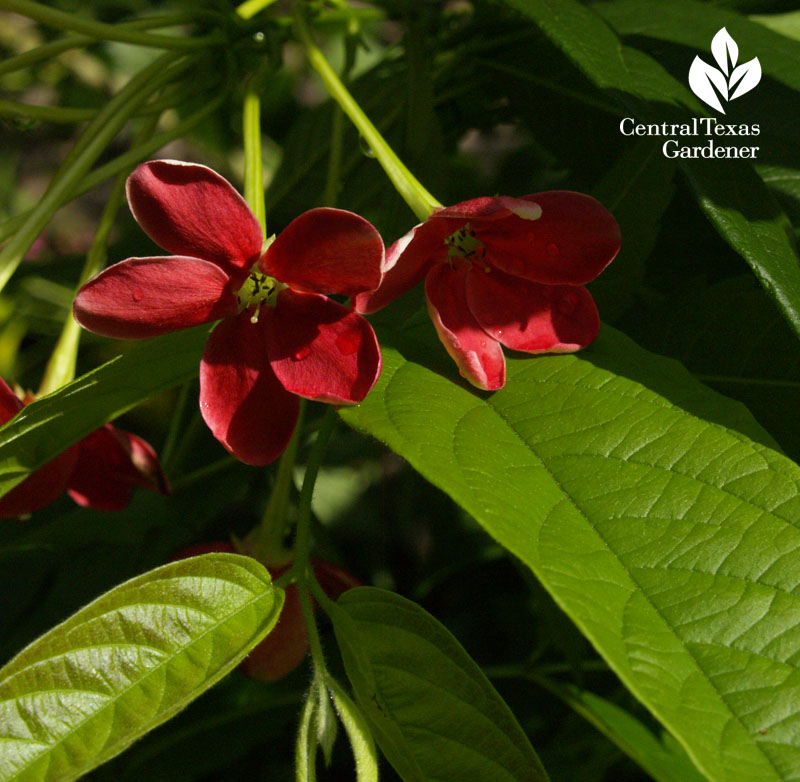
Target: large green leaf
x=694 y=24
x=663 y=759
x=49 y=425
x=670 y=540
x=730 y=193
x=433 y=712
x=127 y=662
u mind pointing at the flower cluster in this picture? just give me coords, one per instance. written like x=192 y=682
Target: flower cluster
x=98 y=472
x=504 y=272
x=280 y=337
x=498 y=272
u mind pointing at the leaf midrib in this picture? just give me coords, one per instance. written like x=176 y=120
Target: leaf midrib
x=631 y=684
x=108 y=750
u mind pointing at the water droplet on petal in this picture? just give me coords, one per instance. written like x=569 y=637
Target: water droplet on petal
x=304 y=352
x=552 y=249
x=348 y=342
x=137 y=295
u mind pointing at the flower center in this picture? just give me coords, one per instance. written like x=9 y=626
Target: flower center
x=464 y=246
x=258 y=289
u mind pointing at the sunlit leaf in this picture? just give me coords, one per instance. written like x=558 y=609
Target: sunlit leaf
x=669 y=540
x=127 y=662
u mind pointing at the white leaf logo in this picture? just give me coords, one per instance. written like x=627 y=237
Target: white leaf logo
x=728 y=81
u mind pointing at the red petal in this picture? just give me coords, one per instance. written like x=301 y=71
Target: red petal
x=327 y=251
x=408 y=260
x=241 y=400
x=144 y=297
x=191 y=210
x=110 y=463
x=334 y=580
x=479 y=357
x=575 y=238
x=320 y=349
x=524 y=315
x=10 y=403
x=490 y=208
x=40 y=488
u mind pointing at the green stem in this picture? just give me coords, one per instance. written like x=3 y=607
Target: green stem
x=334 y=175
x=421 y=202
x=175 y=425
x=358 y=732
x=305 y=754
x=253 y=162
x=302 y=544
x=60 y=368
x=124 y=162
x=109 y=32
x=266 y=542
x=52 y=49
x=61 y=114
x=225 y=463
x=250 y=8
x=93 y=141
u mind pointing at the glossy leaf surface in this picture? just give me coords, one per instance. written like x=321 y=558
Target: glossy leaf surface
x=668 y=539
x=127 y=662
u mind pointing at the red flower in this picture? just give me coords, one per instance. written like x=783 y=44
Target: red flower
x=285 y=648
x=504 y=271
x=99 y=472
x=281 y=336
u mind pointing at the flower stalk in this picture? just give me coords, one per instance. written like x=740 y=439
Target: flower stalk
x=62 y=20
x=94 y=139
x=419 y=200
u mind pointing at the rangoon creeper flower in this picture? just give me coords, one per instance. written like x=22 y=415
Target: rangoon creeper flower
x=281 y=336
x=504 y=271
x=98 y=472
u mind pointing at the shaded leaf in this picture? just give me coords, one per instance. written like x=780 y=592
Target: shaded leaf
x=664 y=760
x=432 y=711
x=49 y=425
x=732 y=196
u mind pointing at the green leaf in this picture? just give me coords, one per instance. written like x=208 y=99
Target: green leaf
x=127 y=662
x=741 y=208
x=51 y=424
x=432 y=711
x=787 y=24
x=669 y=540
x=733 y=197
x=712 y=331
x=663 y=760
x=637 y=189
x=695 y=24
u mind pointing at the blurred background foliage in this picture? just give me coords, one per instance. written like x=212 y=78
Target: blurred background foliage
x=476 y=101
